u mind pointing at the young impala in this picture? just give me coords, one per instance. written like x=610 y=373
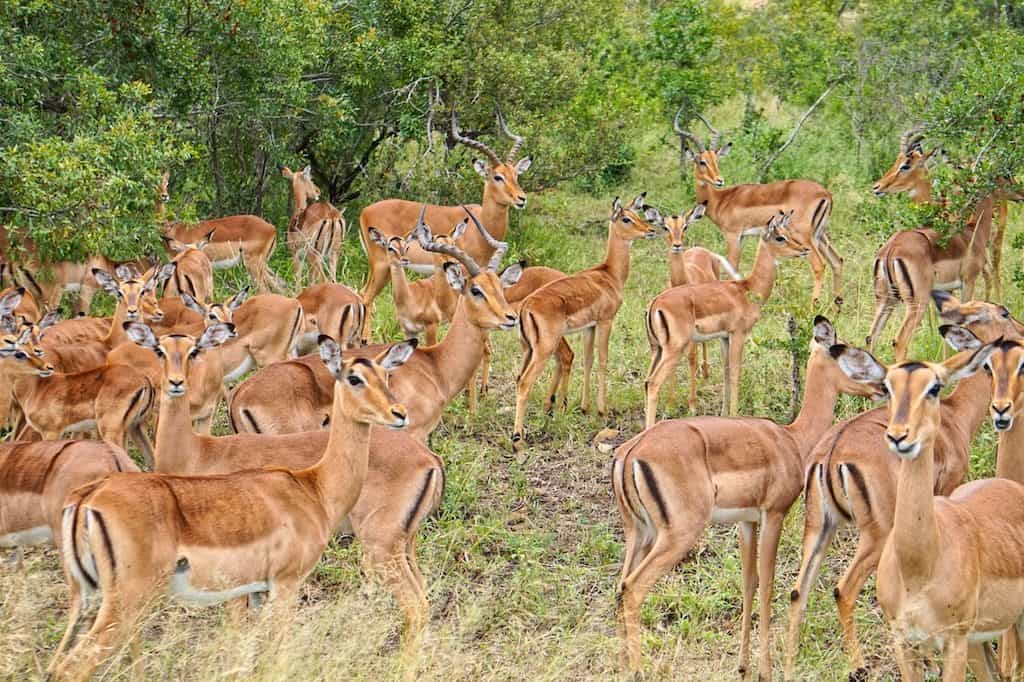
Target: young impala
x=315 y=230
x=677 y=477
x=912 y=263
x=951 y=573
x=193 y=272
x=392 y=217
x=131 y=536
x=586 y=302
x=740 y=211
x=680 y=317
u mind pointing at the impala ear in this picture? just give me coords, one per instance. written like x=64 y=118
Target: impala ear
x=285 y=172
x=966 y=363
x=638 y=202
x=172 y=244
x=459 y=230
x=238 y=299
x=724 y=151
x=512 y=274
x=205 y=240
x=456 y=278
x=192 y=304
x=142 y=335
x=480 y=167
x=8 y=324
x=123 y=272
x=690 y=155
x=107 y=281
x=697 y=212
x=616 y=209
x=824 y=332
x=959 y=338
x=523 y=165
x=11 y=300
x=858 y=364
x=653 y=216
x=948 y=306
x=330 y=353
x=49 y=319
x=215 y=335
x=161 y=275
x=307 y=173
x=377 y=238
x=395 y=356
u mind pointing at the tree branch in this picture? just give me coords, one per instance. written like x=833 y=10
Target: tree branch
x=799 y=124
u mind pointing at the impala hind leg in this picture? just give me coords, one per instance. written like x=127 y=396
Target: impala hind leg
x=911 y=319
x=376 y=279
x=865 y=561
x=705 y=369
x=996 y=256
x=982 y=662
x=768 y=550
x=663 y=366
x=537 y=348
x=733 y=249
x=558 y=393
x=835 y=263
x=748 y=561
x=588 y=366
x=389 y=560
x=735 y=365
x=817 y=264
x=909 y=661
x=691 y=357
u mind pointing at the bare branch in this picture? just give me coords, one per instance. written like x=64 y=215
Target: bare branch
x=799 y=124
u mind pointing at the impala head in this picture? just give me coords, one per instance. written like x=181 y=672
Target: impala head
x=398 y=247
x=637 y=220
x=161 y=188
x=914 y=390
x=501 y=177
x=131 y=291
x=781 y=240
x=482 y=290
x=178 y=350
x=36 y=329
x=217 y=312
x=703 y=157
x=303 y=188
x=988 y=321
x=910 y=169
x=677 y=226
x=179 y=248
x=362 y=383
x=20 y=356
x=1005 y=366
x=825 y=348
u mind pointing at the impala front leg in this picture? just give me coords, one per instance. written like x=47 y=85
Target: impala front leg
x=748 y=560
x=604 y=332
x=588 y=365
x=735 y=368
x=768 y=550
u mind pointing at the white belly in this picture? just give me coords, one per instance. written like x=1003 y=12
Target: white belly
x=976 y=637
x=181 y=588
x=948 y=286
x=731 y=515
x=238 y=372
x=700 y=338
x=73 y=286
x=84 y=425
x=40 y=535
x=576 y=330
x=227 y=262
x=421 y=268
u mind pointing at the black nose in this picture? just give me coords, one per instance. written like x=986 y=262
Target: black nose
x=896 y=440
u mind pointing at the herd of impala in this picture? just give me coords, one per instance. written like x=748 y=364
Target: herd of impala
x=337 y=439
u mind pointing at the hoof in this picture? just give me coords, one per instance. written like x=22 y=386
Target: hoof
x=859 y=675
x=517 y=442
x=838 y=302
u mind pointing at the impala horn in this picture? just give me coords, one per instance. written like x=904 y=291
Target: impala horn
x=911 y=138
x=686 y=134
x=500 y=248
x=471 y=143
x=427 y=243
x=517 y=140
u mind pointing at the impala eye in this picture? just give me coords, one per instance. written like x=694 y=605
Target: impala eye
x=354 y=380
x=498 y=178
x=476 y=291
x=933 y=392
x=904 y=168
x=20 y=355
x=703 y=162
x=626 y=221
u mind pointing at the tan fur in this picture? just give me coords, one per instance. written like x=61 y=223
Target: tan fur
x=315 y=230
x=672 y=479
x=681 y=316
x=331 y=309
x=193 y=272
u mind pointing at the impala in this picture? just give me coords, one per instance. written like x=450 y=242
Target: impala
x=741 y=210
x=392 y=217
x=37 y=477
x=851 y=480
x=291 y=396
x=951 y=573
x=193 y=272
x=315 y=230
x=682 y=316
x=912 y=263
x=191 y=542
x=268 y=327
x=420 y=306
x=675 y=478
x=245 y=238
x=397 y=497
x=331 y=309
x=694 y=265
x=586 y=302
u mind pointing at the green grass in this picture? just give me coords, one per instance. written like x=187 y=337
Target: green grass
x=522 y=558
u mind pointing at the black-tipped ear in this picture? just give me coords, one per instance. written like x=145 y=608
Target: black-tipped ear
x=836 y=350
x=959 y=338
x=824 y=332
x=941 y=298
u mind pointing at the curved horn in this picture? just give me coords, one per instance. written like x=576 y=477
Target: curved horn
x=449 y=250
x=517 y=140
x=911 y=137
x=685 y=134
x=715 y=135
x=471 y=143
x=500 y=248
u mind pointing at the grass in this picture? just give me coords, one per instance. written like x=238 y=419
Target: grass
x=522 y=558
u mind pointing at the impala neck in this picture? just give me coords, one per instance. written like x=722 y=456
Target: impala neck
x=339 y=475
x=817 y=411
x=616 y=258
x=762 y=277
x=299 y=202
x=399 y=283
x=116 y=335
x=1010 y=456
x=442 y=292
x=915 y=533
x=176 y=451
x=921 y=192
x=494 y=215
x=969 y=403
x=459 y=353
x=676 y=268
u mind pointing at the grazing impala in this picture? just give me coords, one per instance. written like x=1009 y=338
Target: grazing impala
x=682 y=316
x=694 y=265
x=315 y=230
x=741 y=210
x=398 y=495
x=912 y=263
x=191 y=542
x=331 y=309
x=851 y=480
x=193 y=272
x=290 y=396
x=423 y=305
x=586 y=302
x=675 y=478
x=392 y=217
x=951 y=573
x=246 y=238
